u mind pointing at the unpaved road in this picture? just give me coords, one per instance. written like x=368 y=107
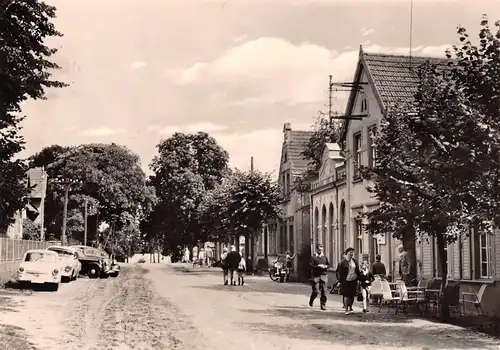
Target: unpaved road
x=153 y=306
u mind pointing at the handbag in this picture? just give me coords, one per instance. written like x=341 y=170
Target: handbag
x=359 y=295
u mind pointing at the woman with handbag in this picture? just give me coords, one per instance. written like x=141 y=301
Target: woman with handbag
x=349 y=273
x=365 y=281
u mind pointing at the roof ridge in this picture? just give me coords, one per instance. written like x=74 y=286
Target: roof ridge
x=405 y=56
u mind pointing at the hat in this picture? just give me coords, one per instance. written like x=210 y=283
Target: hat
x=319 y=246
x=224 y=249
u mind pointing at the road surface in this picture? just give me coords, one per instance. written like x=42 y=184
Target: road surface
x=158 y=306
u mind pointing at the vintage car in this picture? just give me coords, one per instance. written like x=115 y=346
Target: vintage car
x=70 y=265
x=92 y=260
x=40 y=267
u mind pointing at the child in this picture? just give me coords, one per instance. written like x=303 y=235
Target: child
x=241 y=270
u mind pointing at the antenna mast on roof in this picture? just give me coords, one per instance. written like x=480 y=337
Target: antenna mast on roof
x=330 y=97
x=411 y=27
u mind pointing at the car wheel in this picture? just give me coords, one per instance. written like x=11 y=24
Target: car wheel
x=65 y=279
x=114 y=274
x=104 y=275
x=93 y=272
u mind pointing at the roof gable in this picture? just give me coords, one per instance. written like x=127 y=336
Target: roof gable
x=393 y=78
x=293 y=150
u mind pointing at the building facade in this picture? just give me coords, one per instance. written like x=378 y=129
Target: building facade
x=34 y=210
x=291 y=233
x=386 y=81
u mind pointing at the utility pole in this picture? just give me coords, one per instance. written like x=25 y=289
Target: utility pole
x=251 y=234
x=85 y=222
x=330 y=98
x=67 y=184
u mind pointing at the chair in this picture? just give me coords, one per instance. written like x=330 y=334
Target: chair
x=405 y=298
x=376 y=289
x=387 y=297
x=474 y=299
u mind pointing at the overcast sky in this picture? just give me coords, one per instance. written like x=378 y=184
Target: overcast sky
x=142 y=69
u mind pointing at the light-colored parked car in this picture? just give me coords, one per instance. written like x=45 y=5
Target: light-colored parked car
x=70 y=266
x=40 y=267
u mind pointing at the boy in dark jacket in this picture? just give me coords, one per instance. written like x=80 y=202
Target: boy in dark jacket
x=319 y=265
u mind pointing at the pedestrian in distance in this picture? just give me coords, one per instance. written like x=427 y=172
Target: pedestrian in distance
x=233 y=260
x=319 y=265
x=365 y=281
x=404 y=265
x=378 y=267
x=348 y=276
x=223 y=258
x=242 y=267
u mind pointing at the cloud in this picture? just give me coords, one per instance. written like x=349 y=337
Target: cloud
x=101 y=132
x=137 y=65
x=275 y=71
x=169 y=130
x=366 y=32
x=240 y=38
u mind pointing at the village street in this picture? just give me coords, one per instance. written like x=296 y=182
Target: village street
x=155 y=306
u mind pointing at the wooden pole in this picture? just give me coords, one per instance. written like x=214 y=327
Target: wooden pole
x=85 y=223
x=65 y=214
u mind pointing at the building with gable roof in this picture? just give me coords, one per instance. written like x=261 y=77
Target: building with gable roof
x=292 y=232
x=34 y=210
x=389 y=81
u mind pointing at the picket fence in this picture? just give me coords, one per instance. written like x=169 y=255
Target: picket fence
x=12 y=252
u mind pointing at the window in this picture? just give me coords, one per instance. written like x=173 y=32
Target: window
x=374 y=249
x=372 y=155
x=364 y=106
x=437 y=260
x=287 y=184
x=290 y=235
x=357 y=154
x=283 y=184
x=285 y=157
x=358 y=226
x=481 y=254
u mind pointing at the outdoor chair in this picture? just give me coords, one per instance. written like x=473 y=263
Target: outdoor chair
x=405 y=299
x=387 y=296
x=376 y=292
x=474 y=299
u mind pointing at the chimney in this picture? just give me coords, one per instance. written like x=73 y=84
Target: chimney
x=287 y=131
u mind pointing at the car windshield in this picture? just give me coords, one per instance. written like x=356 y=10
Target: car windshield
x=92 y=251
x=62 y=253
x=40 y=257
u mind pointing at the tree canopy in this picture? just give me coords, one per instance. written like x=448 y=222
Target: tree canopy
x=25 y=73
x=187 y=165
x=438 y=162
x=240 y=205
x=112 y=182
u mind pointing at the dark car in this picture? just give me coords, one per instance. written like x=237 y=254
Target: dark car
x=93 y=262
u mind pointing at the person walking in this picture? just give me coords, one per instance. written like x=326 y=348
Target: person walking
x=233 y=260
x=365 y=278
x=242 y=267
x=319 y=264
x=223 y=258
x=348 y=276
x=378 y=267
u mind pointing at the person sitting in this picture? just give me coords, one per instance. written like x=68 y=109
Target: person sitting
x=378 y=267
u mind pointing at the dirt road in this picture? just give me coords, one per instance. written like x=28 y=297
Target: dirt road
x=153 y=306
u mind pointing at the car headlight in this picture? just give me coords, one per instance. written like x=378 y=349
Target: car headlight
x=67 y=269
x=55 y=272
x=21 y=269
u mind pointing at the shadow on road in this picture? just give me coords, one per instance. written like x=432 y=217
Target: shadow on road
x=12 y=337
x=360 y=329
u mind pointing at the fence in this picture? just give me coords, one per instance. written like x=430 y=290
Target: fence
x=12 y=252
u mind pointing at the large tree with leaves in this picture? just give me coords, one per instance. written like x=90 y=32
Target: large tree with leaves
x=25 y=73
x=112 y=183
x=240 y=205
x=437 y=171
x=187 y=165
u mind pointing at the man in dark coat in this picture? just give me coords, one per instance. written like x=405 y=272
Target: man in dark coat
x=232 y=262
x=319 y=265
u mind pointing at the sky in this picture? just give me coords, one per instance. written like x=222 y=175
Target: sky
x=140 y=70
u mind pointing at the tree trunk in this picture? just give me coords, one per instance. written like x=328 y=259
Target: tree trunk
x=444 y=310
x=409 y=246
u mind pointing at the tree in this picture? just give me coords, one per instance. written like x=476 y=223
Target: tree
x=31 y=231
x=240 y=205
x=113 y=184
x=437 y=170
x=324 y=132
x=25 y=72
x=186 y=167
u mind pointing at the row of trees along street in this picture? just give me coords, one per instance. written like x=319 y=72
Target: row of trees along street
x=191 y=184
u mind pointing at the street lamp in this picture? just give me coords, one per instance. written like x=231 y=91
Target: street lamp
x=67 y=184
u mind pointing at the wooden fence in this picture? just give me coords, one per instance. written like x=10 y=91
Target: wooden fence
x=12 y=252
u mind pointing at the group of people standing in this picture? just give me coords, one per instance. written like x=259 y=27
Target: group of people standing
x=232 y=262
x=355 y=279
